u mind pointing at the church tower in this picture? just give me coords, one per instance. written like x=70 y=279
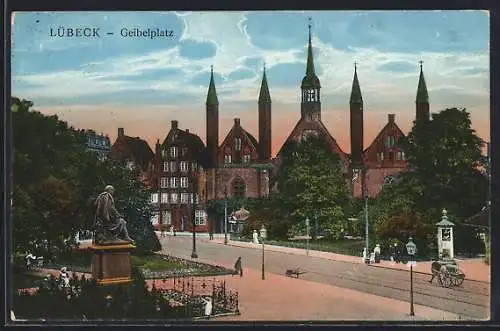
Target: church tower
x=264 y=120
x=422 y=101
x=212 y=123
x=311 y=105
x=356 y=114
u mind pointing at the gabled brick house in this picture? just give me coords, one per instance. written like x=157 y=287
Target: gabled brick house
x=137 y=153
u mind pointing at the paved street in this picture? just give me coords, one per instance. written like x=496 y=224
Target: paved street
x=471 y=301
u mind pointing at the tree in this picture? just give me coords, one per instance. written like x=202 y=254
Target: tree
x=56 y=180
x=312 y=185
x=445 y=154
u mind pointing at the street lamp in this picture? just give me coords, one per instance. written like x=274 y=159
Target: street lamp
x=411 y=248
x=225 y=215
x=307 y=236
x=194 y=255
x=263 y=235
x=367 y=257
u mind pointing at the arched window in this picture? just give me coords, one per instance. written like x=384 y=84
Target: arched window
x=239 y=188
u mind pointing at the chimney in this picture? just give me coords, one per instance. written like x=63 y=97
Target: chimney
x=175 y=124
x=121 y=132
x=237 y=122
x=187 y=130
x=391 y=118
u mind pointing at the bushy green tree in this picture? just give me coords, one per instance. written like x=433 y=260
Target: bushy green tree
x=312 y=185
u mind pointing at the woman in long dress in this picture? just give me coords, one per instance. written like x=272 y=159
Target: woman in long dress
x=208 y=307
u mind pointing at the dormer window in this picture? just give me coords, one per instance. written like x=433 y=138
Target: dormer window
x=237 y=144
x=227 y=158
x=173 y=152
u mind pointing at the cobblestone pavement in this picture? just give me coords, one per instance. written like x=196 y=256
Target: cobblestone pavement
x=470 y=301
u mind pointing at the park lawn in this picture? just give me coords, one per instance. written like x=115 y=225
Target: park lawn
x=154 y=262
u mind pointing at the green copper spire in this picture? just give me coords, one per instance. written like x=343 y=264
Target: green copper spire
x=310 y=79
x=212 y=94
x=356 y=90
x=264 y=96
x=422 y=95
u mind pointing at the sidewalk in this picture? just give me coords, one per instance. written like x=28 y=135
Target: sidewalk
x=474 y=269
x=281 y=298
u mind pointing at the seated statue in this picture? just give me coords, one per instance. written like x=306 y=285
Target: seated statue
x=110 y=227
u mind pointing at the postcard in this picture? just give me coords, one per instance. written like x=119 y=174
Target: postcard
x=250 y=166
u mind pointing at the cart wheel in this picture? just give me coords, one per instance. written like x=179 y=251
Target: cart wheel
x=459 y=280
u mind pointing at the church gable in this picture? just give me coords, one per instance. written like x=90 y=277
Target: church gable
x=385 y=150
x=305 y=128
x=239 y=146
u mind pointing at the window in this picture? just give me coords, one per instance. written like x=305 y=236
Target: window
x=184 y=197
x=403 y=156
x=246 y=158
x=184 y=151
x=163 y=153
x=173 y=152
x=173 y=166
x=391 y=141
x=398 y=156
x=199 y=217
x=238 y=187
x=173 y=182
x=227 y=158
x=184 y=166
x=154 y=198
x=165 y=166
x=163 y=182
x=193 y=166
x=155 y=218
x=174 y=198
x=164 y=198
x=380 y=156
x=184 y=182
x=167 y=218
x=237 y=144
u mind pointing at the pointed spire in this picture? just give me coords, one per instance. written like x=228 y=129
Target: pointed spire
x=310 y=59
x=264 y=96
x=310 y=79
x=356 y=90
x=422 y=94
x=212 y=93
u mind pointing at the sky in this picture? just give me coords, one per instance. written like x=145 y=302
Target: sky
x=141 y=84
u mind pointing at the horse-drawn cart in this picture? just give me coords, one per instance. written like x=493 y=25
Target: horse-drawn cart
x=447 y=273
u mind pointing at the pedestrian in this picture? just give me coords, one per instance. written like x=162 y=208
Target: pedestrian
x=376 y=250
x=398 y=252
x=174 y=230
x=208 y=307
x=211 y=233
x=237 y=266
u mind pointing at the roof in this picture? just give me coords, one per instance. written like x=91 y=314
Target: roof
x=422 y=94
x=212 y=93
x=264 y=95
x=141 y=151
x=356 y=96
x=192 y=141
x=247 y=134
x=377 y=138
x=310 y=79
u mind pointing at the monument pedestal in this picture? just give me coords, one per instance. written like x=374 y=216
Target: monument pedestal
x=112 y=264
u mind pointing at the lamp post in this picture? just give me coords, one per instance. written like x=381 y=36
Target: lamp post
x=411 y=248
x=307 y=236
x=194 y=255
x=367 y=257
x=225 y=215
x=263 y=235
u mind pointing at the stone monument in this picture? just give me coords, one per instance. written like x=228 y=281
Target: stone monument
x=112 y=246
x=445 y=238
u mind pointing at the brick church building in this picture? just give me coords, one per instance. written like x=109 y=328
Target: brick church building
x=186 y=173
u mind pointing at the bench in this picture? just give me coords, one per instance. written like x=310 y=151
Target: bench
x=294 y=272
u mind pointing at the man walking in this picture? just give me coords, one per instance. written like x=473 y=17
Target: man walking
x=237 y=267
